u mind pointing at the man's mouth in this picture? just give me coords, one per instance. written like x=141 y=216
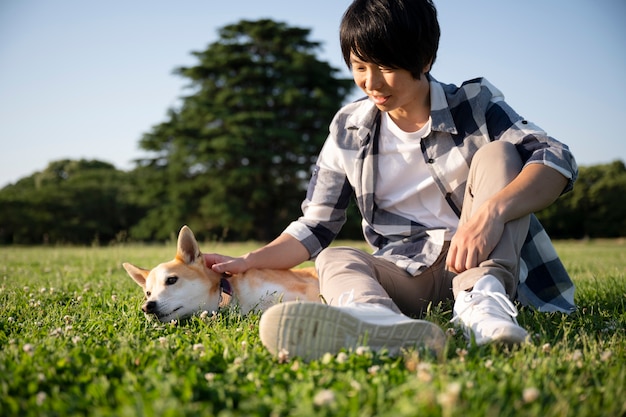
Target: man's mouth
x=379 y=100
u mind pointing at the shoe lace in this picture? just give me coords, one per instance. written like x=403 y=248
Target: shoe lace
x=474 y=299
x=346 y=299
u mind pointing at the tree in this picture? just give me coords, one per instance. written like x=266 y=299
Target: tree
x=234 y=158
x=69 y=202
x=596 y=207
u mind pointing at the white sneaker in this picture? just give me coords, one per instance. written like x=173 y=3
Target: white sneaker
x=487 y=314
x=309 y=330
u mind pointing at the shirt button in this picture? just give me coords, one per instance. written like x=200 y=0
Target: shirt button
x=524 y=122
x=431 y=161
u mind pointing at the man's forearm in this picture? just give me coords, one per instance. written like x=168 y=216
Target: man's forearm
x=534 y=189
x=284 y=252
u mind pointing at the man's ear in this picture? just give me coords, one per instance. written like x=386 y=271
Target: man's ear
x=187 y=250
x=136 y=273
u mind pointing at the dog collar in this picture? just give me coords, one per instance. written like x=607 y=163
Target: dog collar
x=225 y=286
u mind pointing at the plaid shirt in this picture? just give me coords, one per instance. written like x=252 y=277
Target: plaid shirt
x=463 y=119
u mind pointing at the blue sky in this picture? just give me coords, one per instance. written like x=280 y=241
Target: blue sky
x=86 y=79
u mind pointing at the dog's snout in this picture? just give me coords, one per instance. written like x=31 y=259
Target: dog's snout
x=149 y=307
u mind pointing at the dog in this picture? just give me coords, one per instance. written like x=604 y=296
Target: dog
x=185 y=285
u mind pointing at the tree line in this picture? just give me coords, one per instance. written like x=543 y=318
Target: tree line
x=233 y=159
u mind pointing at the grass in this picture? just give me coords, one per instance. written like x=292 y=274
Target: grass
x=73 y=342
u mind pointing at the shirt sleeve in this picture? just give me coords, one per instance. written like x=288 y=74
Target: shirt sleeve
x=325 y=205
x=534 y=145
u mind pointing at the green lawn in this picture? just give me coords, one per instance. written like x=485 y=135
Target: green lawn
x=73 y=342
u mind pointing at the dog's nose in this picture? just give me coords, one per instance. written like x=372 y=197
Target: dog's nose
x=149 y=307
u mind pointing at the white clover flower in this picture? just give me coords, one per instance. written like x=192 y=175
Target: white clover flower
x=198 y=346
x=355 y=385
x=546 y=348
x=342 y=357
x=373 y=370
x=28 y=348
x=424 y=372
x=530 y=394
x=606 y=355
x=362 y=350
x=283 y=356
x=209 y=376
x=41 y=397
x=324 y=397
x=450 y=396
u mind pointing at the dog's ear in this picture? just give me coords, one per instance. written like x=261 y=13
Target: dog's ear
x=136 y=273
x=187 y=250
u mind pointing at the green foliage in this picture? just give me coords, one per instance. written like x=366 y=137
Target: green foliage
x=74 y=342
x=234 y=159
x=595 y=208
x=69 y=201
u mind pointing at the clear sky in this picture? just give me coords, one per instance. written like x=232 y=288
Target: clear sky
x=85 y=79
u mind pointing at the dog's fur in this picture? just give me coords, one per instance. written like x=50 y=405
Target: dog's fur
x=185 y=285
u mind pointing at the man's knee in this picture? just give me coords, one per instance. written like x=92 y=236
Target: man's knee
x=334 y=254
x=498 y=158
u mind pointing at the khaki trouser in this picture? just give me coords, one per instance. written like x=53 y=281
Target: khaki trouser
x=377 y=280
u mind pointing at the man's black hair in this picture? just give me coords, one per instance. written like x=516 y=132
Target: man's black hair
x=399 y=34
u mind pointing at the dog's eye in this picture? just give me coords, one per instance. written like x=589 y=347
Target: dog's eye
x=171 y=280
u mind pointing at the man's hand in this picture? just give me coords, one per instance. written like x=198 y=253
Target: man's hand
x=475 y=240
x=221 y=263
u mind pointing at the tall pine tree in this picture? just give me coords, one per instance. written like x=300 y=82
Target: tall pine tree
x=233 y=160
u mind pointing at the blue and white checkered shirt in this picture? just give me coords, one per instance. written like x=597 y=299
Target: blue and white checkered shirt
x=463 y=119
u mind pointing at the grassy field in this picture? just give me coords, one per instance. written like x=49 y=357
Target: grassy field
x=74 y=342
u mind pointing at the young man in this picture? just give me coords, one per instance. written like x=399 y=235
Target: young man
x=446 y=179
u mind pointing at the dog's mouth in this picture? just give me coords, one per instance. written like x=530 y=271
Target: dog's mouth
x=164 y=317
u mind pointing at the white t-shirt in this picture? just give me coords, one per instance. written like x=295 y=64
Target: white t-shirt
x=403 y=184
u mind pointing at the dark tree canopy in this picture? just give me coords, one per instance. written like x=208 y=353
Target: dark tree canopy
x=234 y=158
x=69 y=202
x=596 y=207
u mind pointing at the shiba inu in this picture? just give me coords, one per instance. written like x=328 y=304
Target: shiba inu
x=185 y=285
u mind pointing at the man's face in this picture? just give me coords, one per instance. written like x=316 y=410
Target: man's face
x=390 y=89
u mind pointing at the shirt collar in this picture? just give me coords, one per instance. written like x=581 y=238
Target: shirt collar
x=439 y=110
x=364 y=116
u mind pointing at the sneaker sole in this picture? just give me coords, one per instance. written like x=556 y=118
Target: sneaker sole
x=309 y=330
x=510 y=336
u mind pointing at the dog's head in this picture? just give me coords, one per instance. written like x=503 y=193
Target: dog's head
x=181 y=287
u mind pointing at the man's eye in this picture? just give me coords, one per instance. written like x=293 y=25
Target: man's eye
x=171 y=280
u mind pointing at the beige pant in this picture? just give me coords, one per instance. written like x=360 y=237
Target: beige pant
x=376 y=280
